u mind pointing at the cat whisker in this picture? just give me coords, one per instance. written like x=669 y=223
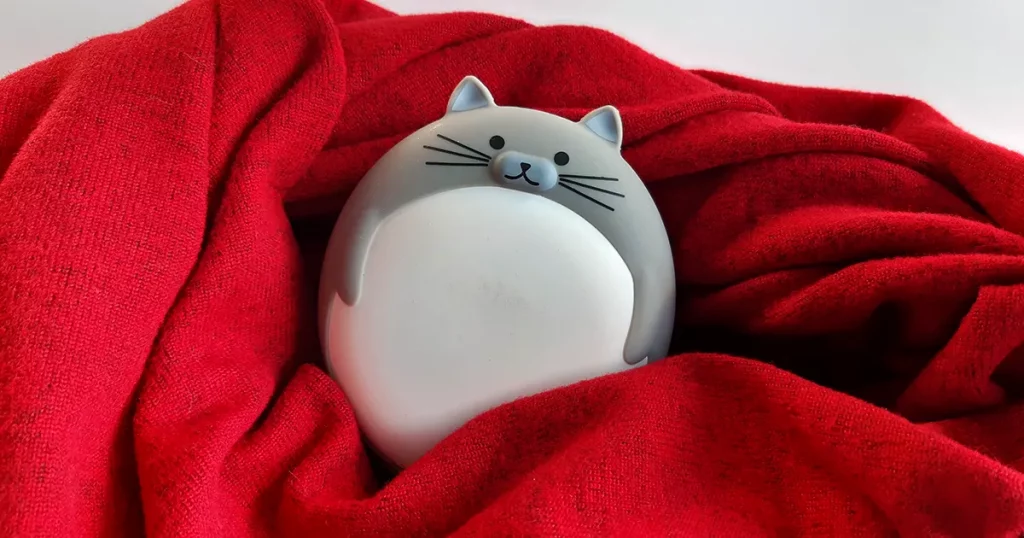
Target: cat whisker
x=591 y=187
x=457 y=154
x=597 y=178
x=463 y=146
x=587 y=196
x=436 y=163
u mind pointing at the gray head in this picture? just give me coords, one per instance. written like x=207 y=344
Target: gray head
x=529 y=150
x=576 y=164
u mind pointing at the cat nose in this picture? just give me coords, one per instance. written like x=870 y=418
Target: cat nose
x=508 y=169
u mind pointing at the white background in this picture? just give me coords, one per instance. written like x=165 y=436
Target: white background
x=965 y=57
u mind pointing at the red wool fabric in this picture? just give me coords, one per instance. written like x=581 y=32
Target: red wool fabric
x=848 y=358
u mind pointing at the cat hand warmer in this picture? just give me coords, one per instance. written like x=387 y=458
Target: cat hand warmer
x=495 y=253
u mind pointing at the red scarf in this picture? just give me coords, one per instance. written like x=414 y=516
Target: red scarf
x=850 y=266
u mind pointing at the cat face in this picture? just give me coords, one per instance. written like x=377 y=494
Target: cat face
x=529 y=150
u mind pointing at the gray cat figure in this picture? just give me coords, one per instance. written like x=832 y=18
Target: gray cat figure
x=485 y=147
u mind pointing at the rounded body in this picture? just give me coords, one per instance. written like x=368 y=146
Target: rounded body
x=493 y=254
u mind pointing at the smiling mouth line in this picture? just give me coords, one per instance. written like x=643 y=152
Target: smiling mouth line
x=524 y=176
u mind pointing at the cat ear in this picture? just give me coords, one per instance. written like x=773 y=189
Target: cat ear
x=468 y=95
x=606 y=123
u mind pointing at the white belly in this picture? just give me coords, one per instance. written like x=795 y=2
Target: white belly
x=472 y=298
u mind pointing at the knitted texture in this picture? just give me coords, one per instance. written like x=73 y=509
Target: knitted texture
x=846 y=362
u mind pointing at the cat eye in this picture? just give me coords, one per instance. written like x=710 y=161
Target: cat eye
x=561 y=158
x=497 y=142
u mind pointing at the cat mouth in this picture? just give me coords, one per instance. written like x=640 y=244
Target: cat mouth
x=525 y=177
